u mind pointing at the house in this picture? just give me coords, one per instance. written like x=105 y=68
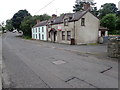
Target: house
x=39 y=31
x=119 y=5
x=74 y=28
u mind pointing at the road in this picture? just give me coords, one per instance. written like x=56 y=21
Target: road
x=29 y=64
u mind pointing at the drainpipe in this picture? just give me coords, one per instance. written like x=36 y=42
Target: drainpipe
x=74 y=33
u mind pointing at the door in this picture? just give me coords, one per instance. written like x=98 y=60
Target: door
x=39 y=36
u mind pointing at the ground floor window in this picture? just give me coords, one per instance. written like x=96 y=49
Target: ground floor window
x=36 y=36
x=68 y=35
x=63 y=35
x=42 y=37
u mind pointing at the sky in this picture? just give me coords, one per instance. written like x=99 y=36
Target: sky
x=9 y=7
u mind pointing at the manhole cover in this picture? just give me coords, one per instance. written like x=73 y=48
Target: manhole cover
x=59 y=62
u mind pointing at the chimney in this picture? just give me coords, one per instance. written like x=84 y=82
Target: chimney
x=54 y=16
x=86 y=6
x=38 y=21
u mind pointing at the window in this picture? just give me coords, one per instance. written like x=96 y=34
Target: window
x=42 y=37
x=83 y=22
x=66 y=22
x=63 y=35
x=36 y=30
x=39 y=29
x=42 y=29
x=36 y=36
x=68 y=35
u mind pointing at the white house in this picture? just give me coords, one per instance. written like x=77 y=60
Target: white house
x=119 y=5
x=39 y=31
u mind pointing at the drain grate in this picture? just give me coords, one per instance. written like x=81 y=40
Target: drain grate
x=59 y=62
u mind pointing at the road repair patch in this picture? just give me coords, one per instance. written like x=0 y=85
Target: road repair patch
x=78 y=83
x=59 y=62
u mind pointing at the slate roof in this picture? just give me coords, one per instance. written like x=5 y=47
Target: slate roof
x=74 y=17
x=58 y=20
x=42 y=23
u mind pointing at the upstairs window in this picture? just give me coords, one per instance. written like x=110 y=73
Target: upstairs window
x=36 y=30
x=66 y=22
x=83 y=22
x=42 y=29
x=39 y=29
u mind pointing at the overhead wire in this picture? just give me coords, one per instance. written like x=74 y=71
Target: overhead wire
x=45 y=6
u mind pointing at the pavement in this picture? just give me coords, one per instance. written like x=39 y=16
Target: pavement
x=0 y=61
x=39 y=64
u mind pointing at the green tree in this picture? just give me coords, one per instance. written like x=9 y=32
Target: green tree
x=9 y=25
x=107 y=8
x=118 y=23
x=18 y=18
x=26 y=25
x=30 y=21
x=79 y=6
x=41 y=17
x=109 y=21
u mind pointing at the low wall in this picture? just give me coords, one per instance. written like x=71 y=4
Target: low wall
x=113 y=49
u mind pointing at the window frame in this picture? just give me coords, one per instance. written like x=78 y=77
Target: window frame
x=82 y=21
x=42 y=36
x=68 y=35
x=66 y=22
x=63 y=35
x=42 y=29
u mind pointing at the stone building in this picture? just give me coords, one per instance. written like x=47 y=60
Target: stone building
x=73 y=28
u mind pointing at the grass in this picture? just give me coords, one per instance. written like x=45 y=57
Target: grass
x=26 y=37
x=92 y=44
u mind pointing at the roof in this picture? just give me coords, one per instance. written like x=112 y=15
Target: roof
x=42 y=23
x=103 y=28
x=72 y=17
x=58 y=20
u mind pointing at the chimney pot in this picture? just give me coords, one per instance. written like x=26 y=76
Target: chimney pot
x=38 y=21
x=54 y=16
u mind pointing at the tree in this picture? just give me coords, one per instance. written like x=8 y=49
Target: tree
x=109 y=21
x=30 y=21
x=9 y=25
x=118 y=23
x=79 y=6
x=26 y=25
x=41 y=17
x=107 y=8
x=18 y=18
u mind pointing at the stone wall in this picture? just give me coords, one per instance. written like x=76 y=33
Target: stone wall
x=114 y=47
